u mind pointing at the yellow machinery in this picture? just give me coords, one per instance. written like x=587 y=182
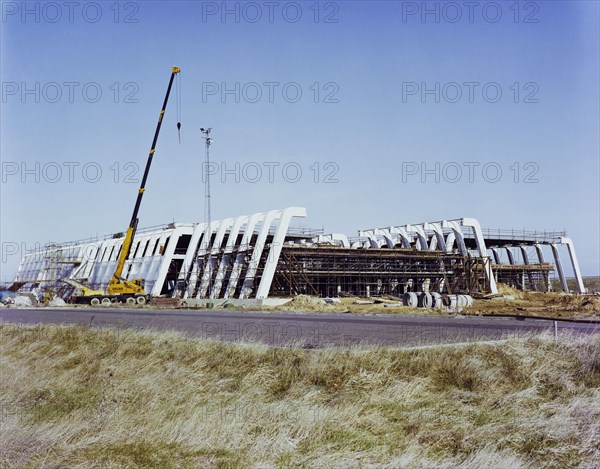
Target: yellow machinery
x=120 y=288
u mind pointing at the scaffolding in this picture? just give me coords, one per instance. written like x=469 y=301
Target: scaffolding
x=534 y=277
x=334 y=271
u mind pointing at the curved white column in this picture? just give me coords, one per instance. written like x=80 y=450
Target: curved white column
x=540 y=253
x=482 y=249
x=440 y=243
x=405 y=238
x=574 y=264
x=211 y=257
x=511 y=256
x=450 y=241
x=524 y=254
x=559 y=269
x=248 y=284
x=227 y=254
x=166 y=261
x=496 y=255
x=275 y=251
x=460 y=240
x=187 y=267
x=422 y=244
x=241 y=254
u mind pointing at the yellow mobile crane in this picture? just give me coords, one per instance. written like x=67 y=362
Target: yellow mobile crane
x=120 y=288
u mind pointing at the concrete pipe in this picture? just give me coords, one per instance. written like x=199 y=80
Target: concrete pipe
x=410 y=299
x=452 y=301
x=465 y=300
x=425 y=300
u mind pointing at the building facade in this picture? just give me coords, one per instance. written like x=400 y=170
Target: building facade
x=262 y=254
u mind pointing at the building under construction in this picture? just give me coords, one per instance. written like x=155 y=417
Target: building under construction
x=262 y=255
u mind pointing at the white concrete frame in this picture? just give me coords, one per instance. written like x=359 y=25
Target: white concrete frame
x=230 y=268
x=448 y=235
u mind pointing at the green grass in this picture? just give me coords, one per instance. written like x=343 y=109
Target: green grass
x=81 y=397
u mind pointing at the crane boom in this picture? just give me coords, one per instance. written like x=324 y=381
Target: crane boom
x=117 y=284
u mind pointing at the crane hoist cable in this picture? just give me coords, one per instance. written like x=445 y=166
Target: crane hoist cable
x=178 y=95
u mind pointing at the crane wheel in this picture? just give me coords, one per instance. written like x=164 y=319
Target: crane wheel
x=105 y=301
x=130 y=300
x=141 y=300
x=95 y=302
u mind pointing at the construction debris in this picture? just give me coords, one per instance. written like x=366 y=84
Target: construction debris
x=57 y=301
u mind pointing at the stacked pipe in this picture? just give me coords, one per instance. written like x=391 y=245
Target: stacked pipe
x=435 y=300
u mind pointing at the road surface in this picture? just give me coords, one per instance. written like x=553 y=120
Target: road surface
x=304 y=329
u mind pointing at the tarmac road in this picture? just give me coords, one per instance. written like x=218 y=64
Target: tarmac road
x=303 y=329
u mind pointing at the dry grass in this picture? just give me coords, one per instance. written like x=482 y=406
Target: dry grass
x=80 y=397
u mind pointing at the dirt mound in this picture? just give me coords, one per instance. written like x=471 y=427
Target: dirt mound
x=506 y=290
x=306 y=303
x=575 y=302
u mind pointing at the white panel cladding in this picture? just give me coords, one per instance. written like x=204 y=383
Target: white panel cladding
x=94 y=262
x=87 y=256
x=31 y=266
x=141 y=260
x=104 y=267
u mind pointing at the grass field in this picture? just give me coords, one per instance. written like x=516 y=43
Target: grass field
x=81 y=397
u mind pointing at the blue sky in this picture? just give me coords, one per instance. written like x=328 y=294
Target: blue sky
x=369 y=125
